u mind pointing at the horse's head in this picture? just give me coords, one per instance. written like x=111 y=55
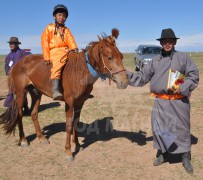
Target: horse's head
x=110 y=60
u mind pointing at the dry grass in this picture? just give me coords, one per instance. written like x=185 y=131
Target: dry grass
x=117 y=136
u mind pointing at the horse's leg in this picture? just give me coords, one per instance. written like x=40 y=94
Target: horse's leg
x=77 y=112
x=20 y=102
x=69 y=128
x=36 y=99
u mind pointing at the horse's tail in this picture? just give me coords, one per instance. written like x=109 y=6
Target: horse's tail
x=9 y=119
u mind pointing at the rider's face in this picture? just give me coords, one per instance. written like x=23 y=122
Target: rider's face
x=60 y=17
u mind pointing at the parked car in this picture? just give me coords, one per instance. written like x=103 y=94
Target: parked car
x=144 y=54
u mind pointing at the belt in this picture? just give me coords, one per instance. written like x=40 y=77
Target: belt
x=168 y=96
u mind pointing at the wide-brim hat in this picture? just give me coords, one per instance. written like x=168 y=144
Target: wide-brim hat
x=167 y=34
x=14 y=40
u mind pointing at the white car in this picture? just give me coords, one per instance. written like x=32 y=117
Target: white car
x=144 y=54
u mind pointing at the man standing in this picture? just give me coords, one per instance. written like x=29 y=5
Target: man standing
x=171 y=110
x=11 y=59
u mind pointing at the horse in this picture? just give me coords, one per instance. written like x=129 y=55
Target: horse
x=100 y=59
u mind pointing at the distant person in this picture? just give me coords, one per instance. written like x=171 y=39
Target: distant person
x=57 y=40
x=170 y=117
x=11 y=59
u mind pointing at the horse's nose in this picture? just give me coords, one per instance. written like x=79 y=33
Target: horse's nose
x=122 y=84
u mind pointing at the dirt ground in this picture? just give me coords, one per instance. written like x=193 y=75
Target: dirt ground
x=116 y=135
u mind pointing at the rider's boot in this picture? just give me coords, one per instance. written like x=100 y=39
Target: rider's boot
x=55 y=87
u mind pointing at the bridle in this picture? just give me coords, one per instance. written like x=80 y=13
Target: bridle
x=110 y=72
x=97 y=73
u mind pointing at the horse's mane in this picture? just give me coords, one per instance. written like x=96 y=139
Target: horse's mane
x=77 y=71
x=76 y=66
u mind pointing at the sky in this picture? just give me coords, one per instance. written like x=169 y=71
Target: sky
x=139 y=22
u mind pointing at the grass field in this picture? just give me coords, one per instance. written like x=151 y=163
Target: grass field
x=128 y=61
x=123 y=152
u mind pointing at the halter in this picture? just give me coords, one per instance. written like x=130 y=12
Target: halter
x=97 y=74
x=110 y=72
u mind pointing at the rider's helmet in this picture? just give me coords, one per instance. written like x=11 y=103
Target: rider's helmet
x=60 y=8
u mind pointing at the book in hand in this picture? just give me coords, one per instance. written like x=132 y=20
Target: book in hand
x=175 y=78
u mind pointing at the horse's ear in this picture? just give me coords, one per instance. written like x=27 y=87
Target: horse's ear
x=115 y=32
x=100 y=39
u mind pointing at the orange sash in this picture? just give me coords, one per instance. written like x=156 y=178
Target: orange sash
x=168 y=96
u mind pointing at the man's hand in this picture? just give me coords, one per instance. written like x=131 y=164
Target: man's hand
x=177 y=90
x=48 y=62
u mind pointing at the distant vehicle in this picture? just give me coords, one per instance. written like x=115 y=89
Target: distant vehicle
x=27 y=51
x=144 y=54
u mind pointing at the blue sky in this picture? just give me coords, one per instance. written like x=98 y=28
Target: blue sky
x=139 y=22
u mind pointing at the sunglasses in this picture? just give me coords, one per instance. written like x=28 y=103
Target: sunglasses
x=12 y=43
x=168 y=41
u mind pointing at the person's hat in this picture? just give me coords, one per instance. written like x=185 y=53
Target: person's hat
x=14 y=40
x=60 y=8
x=167 y=34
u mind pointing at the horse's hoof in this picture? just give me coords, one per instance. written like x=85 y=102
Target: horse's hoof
x=69 y=158
x=24 y=144
x=46 y=142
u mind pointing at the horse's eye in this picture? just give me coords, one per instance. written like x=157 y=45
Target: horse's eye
x=110 y=58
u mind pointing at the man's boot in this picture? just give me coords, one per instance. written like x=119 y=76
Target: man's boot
x=161 y=158
x=186 y=161
x=55 y=87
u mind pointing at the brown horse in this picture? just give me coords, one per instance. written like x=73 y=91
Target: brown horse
x=99 y=59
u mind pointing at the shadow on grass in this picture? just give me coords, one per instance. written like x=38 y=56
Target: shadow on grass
x=99 y=130
x=1 y=98
x=177 y=158
x=43 y=107
x=102 y=130
x=48 y=106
